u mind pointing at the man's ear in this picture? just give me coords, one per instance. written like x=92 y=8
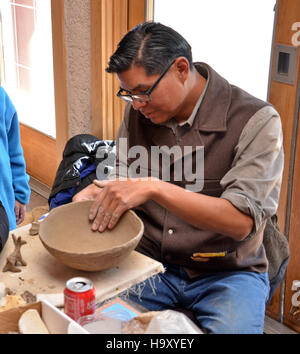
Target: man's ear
x=182 y=68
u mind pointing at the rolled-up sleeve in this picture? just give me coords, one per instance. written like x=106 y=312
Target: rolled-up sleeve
x=253 y=183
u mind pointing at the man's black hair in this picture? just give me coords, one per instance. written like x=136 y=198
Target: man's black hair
x=151 y=45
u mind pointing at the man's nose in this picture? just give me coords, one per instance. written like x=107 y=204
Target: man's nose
x=138 y=104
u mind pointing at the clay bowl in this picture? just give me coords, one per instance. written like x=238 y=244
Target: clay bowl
x=66 y=233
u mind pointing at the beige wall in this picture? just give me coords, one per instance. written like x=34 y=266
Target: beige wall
x=78 y=53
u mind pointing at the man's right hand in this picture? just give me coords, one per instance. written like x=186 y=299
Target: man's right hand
x=89 y=193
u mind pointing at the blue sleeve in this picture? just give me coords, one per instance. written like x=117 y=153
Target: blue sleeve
x=18 y=167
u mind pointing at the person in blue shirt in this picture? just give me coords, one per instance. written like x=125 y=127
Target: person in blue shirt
x=14 y=187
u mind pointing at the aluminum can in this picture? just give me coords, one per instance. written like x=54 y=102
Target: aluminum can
x=79 y=298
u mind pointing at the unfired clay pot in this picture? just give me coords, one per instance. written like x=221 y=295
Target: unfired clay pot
x=66 y=233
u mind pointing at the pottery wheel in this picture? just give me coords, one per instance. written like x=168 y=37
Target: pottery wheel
x=45 y=277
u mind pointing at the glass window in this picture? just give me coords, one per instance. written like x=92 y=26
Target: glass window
x=28 y=61
x=232 y=36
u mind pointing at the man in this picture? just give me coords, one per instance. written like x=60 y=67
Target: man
x=209 y=240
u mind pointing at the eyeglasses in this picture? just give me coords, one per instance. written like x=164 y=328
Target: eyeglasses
x=143 y=96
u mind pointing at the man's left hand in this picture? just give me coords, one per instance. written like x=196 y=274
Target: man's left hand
x=118 y=196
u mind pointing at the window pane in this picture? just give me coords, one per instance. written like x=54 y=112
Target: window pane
x=24 y=23
x=25 y=79
x=28 y=61
x=25 y=2
x=232 y=36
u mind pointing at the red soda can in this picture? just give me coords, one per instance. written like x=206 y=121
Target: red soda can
x=79 y=298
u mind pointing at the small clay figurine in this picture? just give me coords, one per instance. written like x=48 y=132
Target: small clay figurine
x=35 y=228
x=15 y=257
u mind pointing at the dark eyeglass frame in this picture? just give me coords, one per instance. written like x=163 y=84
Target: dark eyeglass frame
x=130 y=98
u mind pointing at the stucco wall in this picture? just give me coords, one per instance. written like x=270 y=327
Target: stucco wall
x=77 y=40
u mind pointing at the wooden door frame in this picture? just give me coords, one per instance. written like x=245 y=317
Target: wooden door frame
x=110 y=20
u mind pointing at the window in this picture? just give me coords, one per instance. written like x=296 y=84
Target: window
x=234 y=37
x=27 y=61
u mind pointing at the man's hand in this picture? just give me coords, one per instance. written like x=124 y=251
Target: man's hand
x=91 y=192
x=20 y=210
x=117 y=197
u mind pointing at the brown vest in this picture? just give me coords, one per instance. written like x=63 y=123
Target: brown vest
x=223 y=113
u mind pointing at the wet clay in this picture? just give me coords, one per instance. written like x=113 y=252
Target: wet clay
x=15 y=257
